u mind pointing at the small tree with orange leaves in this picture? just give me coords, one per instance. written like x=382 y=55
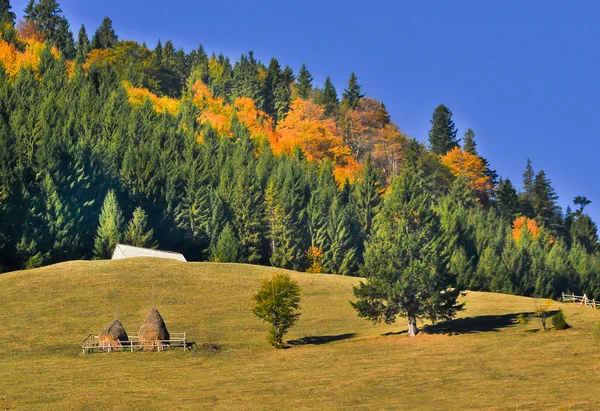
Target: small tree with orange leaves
x=470 y=166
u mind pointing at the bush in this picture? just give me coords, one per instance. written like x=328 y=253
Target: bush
x=522 y=319
x=596 y=332
x=278 y=303
x=559 y=321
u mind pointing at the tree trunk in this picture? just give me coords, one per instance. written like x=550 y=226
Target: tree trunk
x=412 y=326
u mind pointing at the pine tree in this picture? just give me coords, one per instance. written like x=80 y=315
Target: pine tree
x=110 y=227
x=404 y=263
x=305 y=83
x=546 y=210
x=352 y=96
x=105 y=36
x=584 y=232
x=340 y=253
x=137 y=233
x=442 y=135
x=526 y=196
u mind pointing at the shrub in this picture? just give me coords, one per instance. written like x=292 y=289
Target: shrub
x=522 y=319
x=596 y=332
x=278 y=303
x=559 y=321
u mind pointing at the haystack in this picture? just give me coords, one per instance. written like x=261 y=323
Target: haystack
x=113 y=335
x=153 y=332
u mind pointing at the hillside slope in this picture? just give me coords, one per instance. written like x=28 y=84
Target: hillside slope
x=479 y=361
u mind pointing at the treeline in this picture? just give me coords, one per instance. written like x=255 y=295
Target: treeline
x=105 y=141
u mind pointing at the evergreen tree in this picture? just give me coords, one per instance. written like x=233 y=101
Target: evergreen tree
x=227 y=248
x=507 y=200
x=584 y=232
x=137 y=233
x=109 y=229
x=546 y=210
x=304 y=84
x=366 y=197
x=6 y=16
x=329 y=98
x=352 y=96
x=340 y=254
x=105 y=36
x=526 y=196
x=404 y=263
x=469 y=144
x=83 y=45
x=442 y=135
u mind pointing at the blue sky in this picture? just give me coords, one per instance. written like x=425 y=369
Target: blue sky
x=522 y=74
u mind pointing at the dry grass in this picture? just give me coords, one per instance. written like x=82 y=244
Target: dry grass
x=481 y=360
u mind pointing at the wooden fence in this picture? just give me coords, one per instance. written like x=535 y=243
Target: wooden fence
x=91 y=343
x=581 y=299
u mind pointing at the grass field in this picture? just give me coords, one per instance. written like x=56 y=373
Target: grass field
x=337 y=360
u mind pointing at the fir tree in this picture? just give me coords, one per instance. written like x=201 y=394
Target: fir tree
x=83 y=45
x=305 y=83
x=137 y=233
x=404 y=263
x=366 y=197
x=442 y=135
x=469 y=144
x=110 y=227
x=352 y=96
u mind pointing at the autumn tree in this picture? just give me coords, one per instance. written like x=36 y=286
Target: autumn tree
x=469 y=166
x=404 y=265
x=442 y=135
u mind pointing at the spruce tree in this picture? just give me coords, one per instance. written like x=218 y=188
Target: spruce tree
x=366 y=198
x=227 y=248
x=507 y=200
x=329 y=98
x=138 y=234
x=105 y=36
x=83 y=45
x=404 y=262
x=469 y=144
x=351 y=95
x=546 y=210
x=304 y=84
x=442 y=135
x=584 y=232
x=6 y=15
x=110 y=226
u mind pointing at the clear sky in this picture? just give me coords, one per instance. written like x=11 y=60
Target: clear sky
x=522 y=74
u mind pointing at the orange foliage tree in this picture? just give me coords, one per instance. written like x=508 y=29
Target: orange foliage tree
x=524 y=223
x=470 y=166
x=137 y=95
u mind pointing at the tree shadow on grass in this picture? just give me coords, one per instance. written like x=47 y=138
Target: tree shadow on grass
x=394 y=333
x=321 y=339
x=481 y=323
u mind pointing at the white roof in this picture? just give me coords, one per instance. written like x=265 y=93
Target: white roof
x=126 y=251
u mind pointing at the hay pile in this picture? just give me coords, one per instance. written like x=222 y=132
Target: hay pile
x=113 y=334
x=153 y=330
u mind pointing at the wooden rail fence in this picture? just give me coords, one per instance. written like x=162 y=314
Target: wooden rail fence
x=91 y=343
x=581 y=299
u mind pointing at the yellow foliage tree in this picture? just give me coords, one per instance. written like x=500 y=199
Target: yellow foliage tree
x=137 y=96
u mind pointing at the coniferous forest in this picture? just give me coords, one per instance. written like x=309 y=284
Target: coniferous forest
x=104 y=140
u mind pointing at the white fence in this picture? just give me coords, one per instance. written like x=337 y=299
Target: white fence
x=581 y=299
x=91 y=343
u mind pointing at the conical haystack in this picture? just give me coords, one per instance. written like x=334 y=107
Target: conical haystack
x=113 y=335
x=153 y=332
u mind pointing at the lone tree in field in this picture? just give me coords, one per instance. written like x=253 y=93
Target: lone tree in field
x=404 y=261
x=278 y=303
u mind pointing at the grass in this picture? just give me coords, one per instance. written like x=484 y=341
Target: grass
x=336 y=360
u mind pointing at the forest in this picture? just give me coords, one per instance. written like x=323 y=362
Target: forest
x=105 y=140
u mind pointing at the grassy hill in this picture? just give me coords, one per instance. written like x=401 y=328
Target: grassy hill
x=481 y=360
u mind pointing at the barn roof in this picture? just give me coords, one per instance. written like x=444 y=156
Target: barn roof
x=126 y=251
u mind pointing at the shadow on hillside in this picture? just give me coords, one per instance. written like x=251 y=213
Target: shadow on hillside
x=394 y=333
x=481 y=323
x=321 y=339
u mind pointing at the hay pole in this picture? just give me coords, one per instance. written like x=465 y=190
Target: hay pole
x=152 y=295
x=117 y=312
